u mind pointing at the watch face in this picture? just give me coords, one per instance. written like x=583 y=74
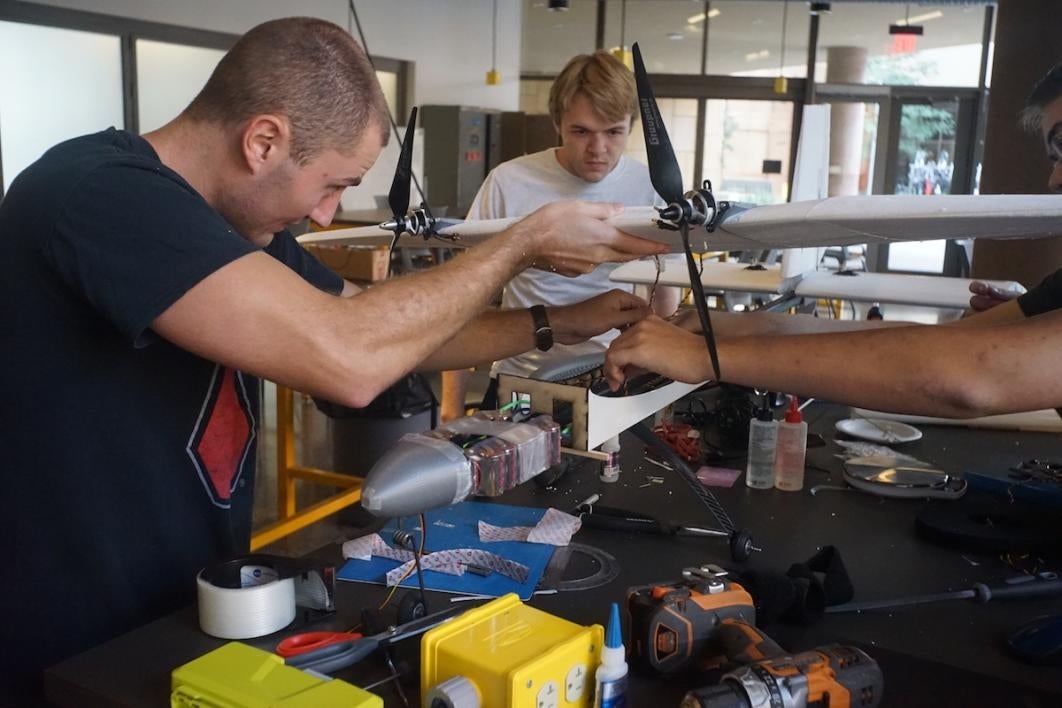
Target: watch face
x=543 y=331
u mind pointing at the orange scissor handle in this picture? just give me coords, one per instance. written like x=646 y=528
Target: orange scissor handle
x=308 y=641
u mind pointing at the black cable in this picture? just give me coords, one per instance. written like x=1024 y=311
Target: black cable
x=493 y=37
x=416 y=558
x=705 y=495
x=699 y=300
x=394 y=124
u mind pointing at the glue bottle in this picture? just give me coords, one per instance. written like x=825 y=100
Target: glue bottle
x=610 y=471
x=611 y=678
x=790 y=450
x=763 y=438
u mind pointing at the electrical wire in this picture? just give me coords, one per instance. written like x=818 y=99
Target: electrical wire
x=416 y=559
x=394 y=125
x=493 y=38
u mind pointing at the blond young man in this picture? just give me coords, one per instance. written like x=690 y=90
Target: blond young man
x=593 y=103
x=149 y=280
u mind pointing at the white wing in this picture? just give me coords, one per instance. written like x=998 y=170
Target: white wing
x=837 y=221
x=933 y=291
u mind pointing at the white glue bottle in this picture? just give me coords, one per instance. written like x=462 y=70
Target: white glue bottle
x=790 y=450
x=611 y=678
x=763 y=438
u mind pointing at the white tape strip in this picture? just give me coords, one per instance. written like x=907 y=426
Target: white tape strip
x=365 y=547
x=556 y=528
x=254 y=610
x=457 y=560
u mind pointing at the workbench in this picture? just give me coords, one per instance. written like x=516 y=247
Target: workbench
x=941 y=654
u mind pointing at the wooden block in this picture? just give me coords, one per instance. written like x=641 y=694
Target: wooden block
x=353 y=262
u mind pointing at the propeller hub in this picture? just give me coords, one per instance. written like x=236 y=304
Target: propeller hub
x=697 y=208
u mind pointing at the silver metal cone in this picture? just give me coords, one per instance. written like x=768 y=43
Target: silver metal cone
x=417 y=474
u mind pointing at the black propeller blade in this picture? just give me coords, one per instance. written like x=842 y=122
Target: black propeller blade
x=663 y=167
x=666 y=177
x=398 y=197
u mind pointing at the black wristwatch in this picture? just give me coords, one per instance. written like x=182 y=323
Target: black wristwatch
x=543 y=332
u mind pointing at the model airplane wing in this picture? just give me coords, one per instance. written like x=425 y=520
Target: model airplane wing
x=837 y=221
x=927 y=290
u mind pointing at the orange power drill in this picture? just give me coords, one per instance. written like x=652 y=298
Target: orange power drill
x=704 y=618
x=832 y=676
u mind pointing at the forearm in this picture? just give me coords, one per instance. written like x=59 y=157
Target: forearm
x=941 y=371
x=749 y=324
x=494 y=334
x=398 y=324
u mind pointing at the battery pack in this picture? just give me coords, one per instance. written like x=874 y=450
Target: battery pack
x=241 y=676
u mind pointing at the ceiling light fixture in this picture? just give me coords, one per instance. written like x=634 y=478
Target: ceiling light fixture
x=700 y=16
x=904 y=26
x=935 y=15
x=762 y=54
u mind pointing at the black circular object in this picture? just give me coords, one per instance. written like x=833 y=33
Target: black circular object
x=740 y=545
x=411 y=607
x=991 y=527
x=608 y=569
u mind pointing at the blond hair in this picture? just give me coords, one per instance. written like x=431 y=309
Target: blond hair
x=307 y=70
x=603 y=79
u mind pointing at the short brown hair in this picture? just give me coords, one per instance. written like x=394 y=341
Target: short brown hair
x=310 y=71
x=603 y=79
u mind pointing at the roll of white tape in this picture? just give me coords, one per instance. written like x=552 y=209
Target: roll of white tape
x=260 y=602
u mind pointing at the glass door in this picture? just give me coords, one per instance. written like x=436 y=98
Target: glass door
x=924 y=165
x=747 y=149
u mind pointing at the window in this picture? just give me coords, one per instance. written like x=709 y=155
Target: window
x=67 y=83
x=746 y=149
x=947 y=54
x=168 y=77
x=745 y=39
x=551 y=38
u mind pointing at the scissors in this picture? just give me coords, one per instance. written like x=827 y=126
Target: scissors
x=308 y=641
x=337 y=653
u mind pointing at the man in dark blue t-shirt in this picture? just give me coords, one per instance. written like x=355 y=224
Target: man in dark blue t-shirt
x=146 y=282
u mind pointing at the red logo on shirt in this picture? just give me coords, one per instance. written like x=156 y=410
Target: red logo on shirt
x=221 y=440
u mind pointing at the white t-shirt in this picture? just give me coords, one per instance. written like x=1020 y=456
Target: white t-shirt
x=521 y=185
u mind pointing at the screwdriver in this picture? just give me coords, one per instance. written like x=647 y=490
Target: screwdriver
x=1027 y=586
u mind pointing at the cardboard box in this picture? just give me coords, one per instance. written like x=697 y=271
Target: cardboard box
x=362 y=263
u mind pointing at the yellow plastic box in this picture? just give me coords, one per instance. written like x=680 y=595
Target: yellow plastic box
x=513 y=655
x=241 y=676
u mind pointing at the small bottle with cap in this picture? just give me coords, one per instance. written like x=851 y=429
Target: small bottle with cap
x=763 y=437
x=790 y=451
x=611 y=677
x=610 y=471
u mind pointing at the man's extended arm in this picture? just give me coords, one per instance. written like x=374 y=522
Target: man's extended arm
x=935 y=370
x=498 y=334
x=258 y=316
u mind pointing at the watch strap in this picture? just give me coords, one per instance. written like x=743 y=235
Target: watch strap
x=543 y=330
